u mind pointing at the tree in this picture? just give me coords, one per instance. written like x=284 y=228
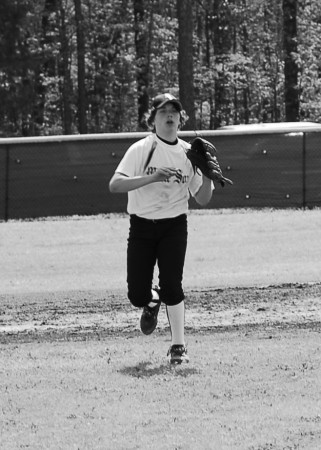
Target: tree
x=185 y=59
x=308 y=60
x=245 y=52
x=291 y=94
x=143 y=37
x=47 y=66
x=82 y=103
x=65 y=71
x=222 y=45
x=90 y=65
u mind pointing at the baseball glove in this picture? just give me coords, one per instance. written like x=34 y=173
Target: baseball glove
x=202 y=155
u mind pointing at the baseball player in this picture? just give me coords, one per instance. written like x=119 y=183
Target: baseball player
x=159 y=179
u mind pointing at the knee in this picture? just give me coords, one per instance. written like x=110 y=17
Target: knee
x=138 y=298
x=137 y=302
x=174 y=301
x=172 y=297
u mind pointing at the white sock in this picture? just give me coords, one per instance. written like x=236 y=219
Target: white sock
x=176 y=318
x=155 y=296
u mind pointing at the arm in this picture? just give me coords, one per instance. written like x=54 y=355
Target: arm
x=121 y=183
x=204 y=194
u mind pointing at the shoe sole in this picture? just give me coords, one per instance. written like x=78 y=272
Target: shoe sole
x=179 y=361
x=148 y=332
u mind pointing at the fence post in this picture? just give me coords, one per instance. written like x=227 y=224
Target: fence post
x=304 y=171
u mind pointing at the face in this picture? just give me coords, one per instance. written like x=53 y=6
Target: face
x=167 y=119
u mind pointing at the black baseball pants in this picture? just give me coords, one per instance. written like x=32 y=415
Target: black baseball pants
x=163 y=242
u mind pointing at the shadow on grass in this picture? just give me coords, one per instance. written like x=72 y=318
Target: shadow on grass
x=147 y=369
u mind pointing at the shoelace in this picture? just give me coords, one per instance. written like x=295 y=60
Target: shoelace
x=177 y=350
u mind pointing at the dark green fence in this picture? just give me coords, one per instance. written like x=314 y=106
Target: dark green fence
x=272 y=165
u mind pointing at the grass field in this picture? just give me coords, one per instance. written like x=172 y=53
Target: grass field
x=76 y=373
x=226 y=248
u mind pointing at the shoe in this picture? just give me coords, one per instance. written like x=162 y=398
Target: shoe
x=177 y=354
x=148 y=320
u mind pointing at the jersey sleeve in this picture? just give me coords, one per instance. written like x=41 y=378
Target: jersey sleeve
x=132 y=163
x=128 y=164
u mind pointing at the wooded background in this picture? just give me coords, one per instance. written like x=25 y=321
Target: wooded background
x=92 y=66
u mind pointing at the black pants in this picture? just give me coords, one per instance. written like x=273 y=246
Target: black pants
x=162 y=241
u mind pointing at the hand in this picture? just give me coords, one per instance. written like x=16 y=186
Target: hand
x=164 y=173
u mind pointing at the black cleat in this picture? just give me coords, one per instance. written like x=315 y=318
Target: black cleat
x=148 y=320
x=177 y=354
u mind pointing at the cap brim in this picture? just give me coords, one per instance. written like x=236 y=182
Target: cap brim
x=176 y=103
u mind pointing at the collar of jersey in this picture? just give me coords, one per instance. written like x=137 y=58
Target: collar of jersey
x=167 y=142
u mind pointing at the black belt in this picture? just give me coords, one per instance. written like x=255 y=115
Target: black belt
x=156 y=220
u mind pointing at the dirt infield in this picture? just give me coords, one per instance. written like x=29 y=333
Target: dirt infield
x=77 y=315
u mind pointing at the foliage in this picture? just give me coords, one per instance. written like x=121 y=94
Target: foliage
x=238 y=63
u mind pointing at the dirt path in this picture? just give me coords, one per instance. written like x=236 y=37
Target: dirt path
x=73 y=315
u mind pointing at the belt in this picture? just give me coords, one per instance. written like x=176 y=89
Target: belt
x=156 y=220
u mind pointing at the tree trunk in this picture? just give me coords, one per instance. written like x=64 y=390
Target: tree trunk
x=246 y=91
x=222 y=44
x=64 y=70
x=142 y=38
x=291 y=93
x=185 y=60
x=82 y=103
x=48 y=68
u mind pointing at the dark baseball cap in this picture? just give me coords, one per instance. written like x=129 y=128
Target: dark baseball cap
x=160 y=100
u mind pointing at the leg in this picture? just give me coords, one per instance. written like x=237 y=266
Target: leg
x=141 y=259
x=177 y=353
x=176 y=319
x=171 y=258
x=171 y=251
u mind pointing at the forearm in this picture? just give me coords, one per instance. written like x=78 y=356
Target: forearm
x=122 y=184
x=204 y=194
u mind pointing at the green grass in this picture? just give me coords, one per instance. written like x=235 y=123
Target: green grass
x=255 y=390
x=226 y=248
x=93 y=382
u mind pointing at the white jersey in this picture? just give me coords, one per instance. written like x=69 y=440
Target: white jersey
x=163 y=199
